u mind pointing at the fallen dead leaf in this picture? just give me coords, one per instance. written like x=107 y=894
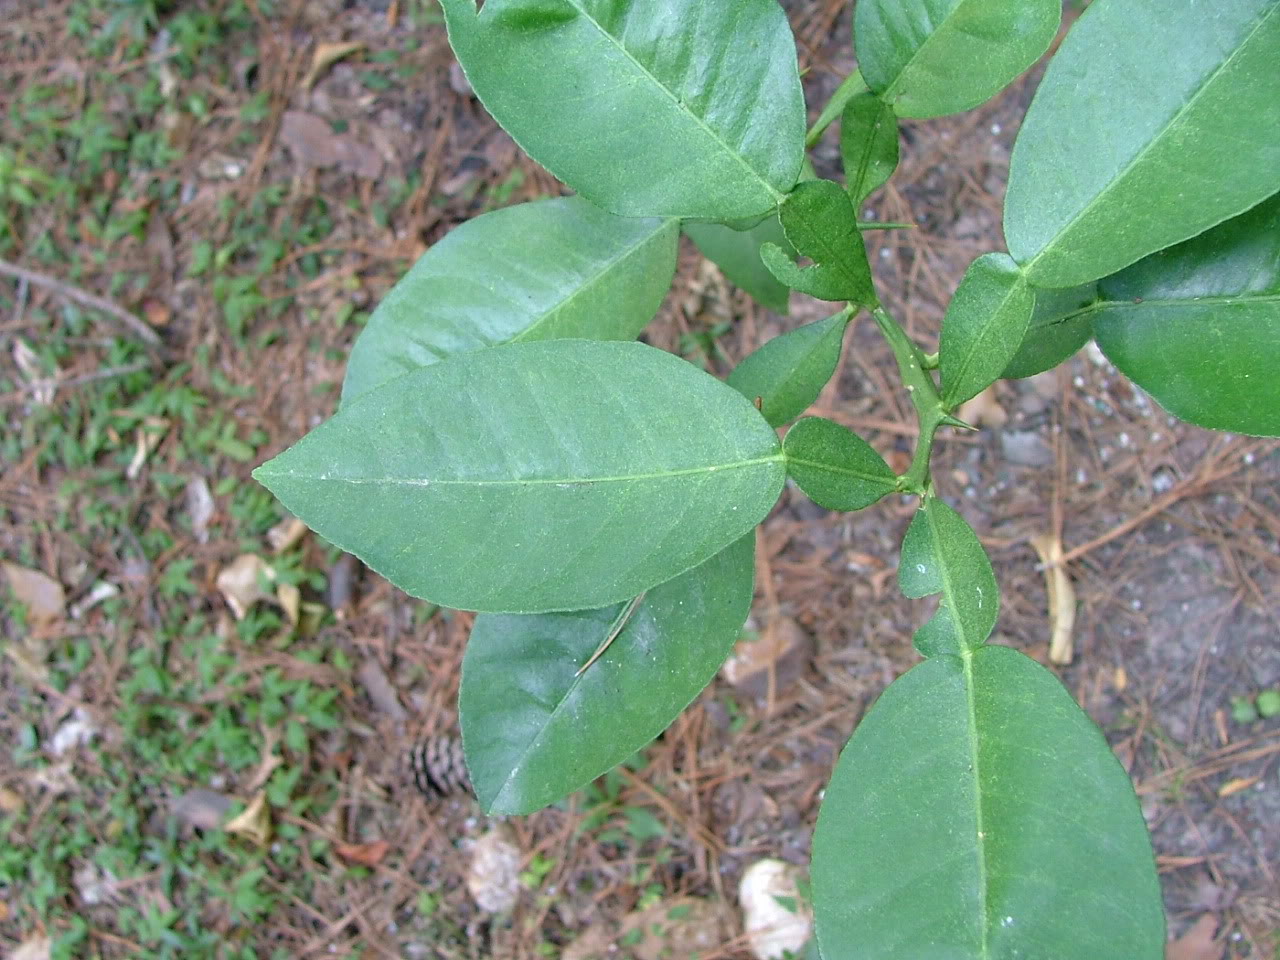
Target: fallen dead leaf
x=782 y=645
x=42 y=595
x=200 y=507
x=10 y=802
x=984 y=410
x=203 y=809
x=148 y=437
x=325 y=56
x=493 y=877
x=37 y=947
x=776 y=918
x=254 y=821
x=1236 y=785
x=240 y=583
x=376 y=683
x=366 y=854
x=78 y=731
x=285 y=534
x=1062 y=598
x=290 y=599
x=314 y=144
x=1198 y=942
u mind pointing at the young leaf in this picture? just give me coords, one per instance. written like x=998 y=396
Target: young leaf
x=978 y=813
x=1059 y=327
x=668 y=108
x=985 y=324
x=1198 y=326
x=868 y=145
x=835 y=467
x=927 y=58
x=942 y=554
x=1138 y=139
x=789 y=371
x=540 y=476
x=737 y=254
x=534 y=730
x=546 y=270
x=820 y=222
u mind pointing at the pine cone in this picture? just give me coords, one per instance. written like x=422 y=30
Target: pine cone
x=437 y=766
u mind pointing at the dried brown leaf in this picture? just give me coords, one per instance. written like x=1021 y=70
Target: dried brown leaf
x=325 y=56
x=36 y=947
x=366 y=854
x=200 y=507
x=240 y=583
x=984 y=410
x=1198 y=942
x=42 y=595
x=254 y=821
x=203 y=809
x=285 y=534
x=314 y=144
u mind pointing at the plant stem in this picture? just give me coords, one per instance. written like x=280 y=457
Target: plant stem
x=930 y=412
x=852 y=85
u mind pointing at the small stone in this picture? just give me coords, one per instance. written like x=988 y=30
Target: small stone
x=1025 y=448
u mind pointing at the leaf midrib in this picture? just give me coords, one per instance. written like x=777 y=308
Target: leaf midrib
x=980 y=838
x=949 y=389
x=888 y=480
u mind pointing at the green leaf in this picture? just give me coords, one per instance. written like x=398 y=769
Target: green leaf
x=1059 y=327
x=737 y=254
x=1139 y=138
x=1198 y=326
x=927 y=58
x=546 y=270
x=534 y=731
x=789 y=371
x=540 y=476
x=868 y=145
x=985 y=324
x=820 y=222
x=668 y=108
x=835 y=467
x=942 y=554
x=977 y=813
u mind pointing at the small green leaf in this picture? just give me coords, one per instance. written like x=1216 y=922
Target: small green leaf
x=1268 y=704
x=868 y=145
x=539 y=476
x=1138 y=139
x=1060 y=325
x=536 y=271
x=927 y=58
x=942 y=554
x=534 y=730
x=820 y=222
x=668 y=108
x=977 y=813
x=1198 y=326
x=789 y=371
x=835 y=467
x=737 y=254
x=984 y=326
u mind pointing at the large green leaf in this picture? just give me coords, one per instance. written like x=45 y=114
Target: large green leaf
x=789 y=371
x=985 y=324
x=868 y=145
x=821 y=224
x=1198 y=326
x=538 y=476
x=536 y=271
x=977 y=813
x=1156 y=120
x=666 y=108
x=927 y=58
x=835 y=467
x=942 y=554
x=534 y=730
x=1059 y=327
x=737 y=254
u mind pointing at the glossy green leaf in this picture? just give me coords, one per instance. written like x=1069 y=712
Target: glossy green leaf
x=985 y=325
x=1156 y=120
x=668 y=108
x=977 y=813
x=868 y=145
x=546 y=270
x=1198 y=326
x=927 y=58
x=941 y=554
x=820 y=222
x=538 y=476
x=534 y=731
x=835 y=467
x=737 y=254
x=1059 y=327
x=789 y=371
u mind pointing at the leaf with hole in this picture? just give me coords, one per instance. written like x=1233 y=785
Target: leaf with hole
x=787 y=373
x=669 y=108
x=985 y=325
x=1138 y=139
x=977 y=812
x=927 y=58
x=868 y=145
x=941 y=554
x=546 y=270
x=538 y=476
x=820 y=222
x=737 y=254
x=835 y=467
x=525 y=710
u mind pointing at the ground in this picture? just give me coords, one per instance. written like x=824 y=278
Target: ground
x=168 y=157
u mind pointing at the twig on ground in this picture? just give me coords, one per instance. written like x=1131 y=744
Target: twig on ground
x=84 y=297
